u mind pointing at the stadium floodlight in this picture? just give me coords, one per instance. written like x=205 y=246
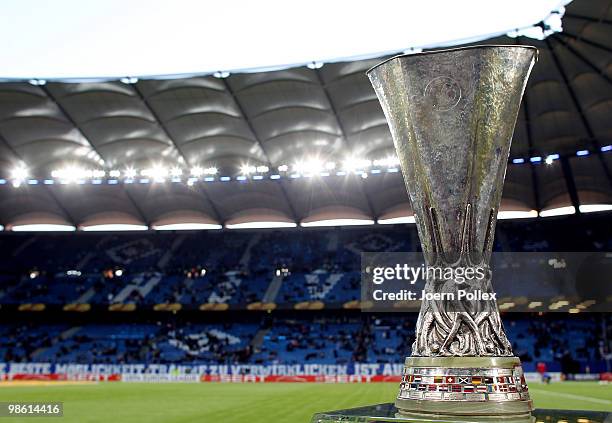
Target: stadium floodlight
x=157 y=173
x=389 y=161
x=516 y=214
x=19 y=173
x=337 y=222
x=43 y=227
x=550 y=158
x=559 y=211
x=71 y=173
x=590 y=208
x=307 y=166
x=396 y=220
x=261 y=225
x=247 y=169
x=175 y=172
x=187 y=227
x=197 y=171
x=211 y=171
x=112 y=227
x=98 y=173
x=315 y=65
x=130 y=173
x=129 y=80
x=262 y=169
x=283 y=168
x=114 y=173
x=353 y=164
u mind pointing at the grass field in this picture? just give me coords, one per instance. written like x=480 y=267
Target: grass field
x=232 y=403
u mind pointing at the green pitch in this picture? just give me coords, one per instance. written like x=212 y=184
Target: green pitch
x=252 y=403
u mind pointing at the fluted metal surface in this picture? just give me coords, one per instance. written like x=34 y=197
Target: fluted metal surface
x=452 y=114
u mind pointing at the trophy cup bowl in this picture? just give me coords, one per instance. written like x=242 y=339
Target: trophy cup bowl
x=452 y=115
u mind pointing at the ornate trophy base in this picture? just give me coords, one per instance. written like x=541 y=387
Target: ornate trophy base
x=450 y=387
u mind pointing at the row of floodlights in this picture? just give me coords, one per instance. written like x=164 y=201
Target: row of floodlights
x=306 y=168
x=549 y=159
x=159 y=173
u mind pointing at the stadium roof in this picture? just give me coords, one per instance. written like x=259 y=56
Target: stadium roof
x=56 y=139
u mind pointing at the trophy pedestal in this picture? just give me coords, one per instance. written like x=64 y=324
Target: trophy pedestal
x=381 y=413
x=450 y=387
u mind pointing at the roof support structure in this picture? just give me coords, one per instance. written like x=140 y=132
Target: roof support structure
x=345 y=141
x=586 y=41
x=531 y=151
x=93 y=147
x=569 y=181
x=292 y=210
x=582 y=58
x=165 y=130
x=585 y=121
x=67 y=215
x=587 y=18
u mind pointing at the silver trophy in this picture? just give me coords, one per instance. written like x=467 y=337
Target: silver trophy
x=452 y=114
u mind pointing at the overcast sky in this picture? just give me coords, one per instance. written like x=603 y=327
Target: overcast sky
x=115 y=38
